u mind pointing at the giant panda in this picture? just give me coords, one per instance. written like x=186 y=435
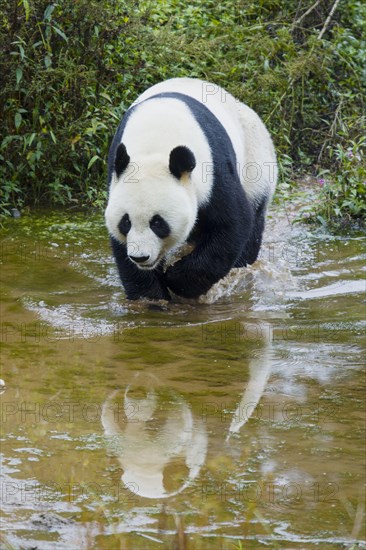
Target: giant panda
x=188 y=164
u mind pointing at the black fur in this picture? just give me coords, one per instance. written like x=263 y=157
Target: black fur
x=139 y=283
x=116 y=142
x=160 y=226
x=124 y=225
x=122 y=159
x=228 y=229
x=251 y=250
x=181 y=161
x=224 y=225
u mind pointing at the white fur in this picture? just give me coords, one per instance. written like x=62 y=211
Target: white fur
x=251 y=141
x=147 y=187
x=143 y=195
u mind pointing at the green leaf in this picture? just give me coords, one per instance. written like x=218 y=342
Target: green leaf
x=106 y=96
x=53 y=136
x=31 y=139
x=59 y=31
x=91 y=162
x=17 y=120
x=47 y=61
x=19 y=75
x=26 y=8
x=48 y=12
x=321 y=220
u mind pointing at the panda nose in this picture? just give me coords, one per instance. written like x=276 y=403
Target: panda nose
x=139 y=259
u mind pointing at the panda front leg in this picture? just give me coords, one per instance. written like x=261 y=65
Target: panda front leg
x=210 y=261
x=139 y=283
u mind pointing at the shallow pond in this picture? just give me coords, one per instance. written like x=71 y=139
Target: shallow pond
x=236 y=422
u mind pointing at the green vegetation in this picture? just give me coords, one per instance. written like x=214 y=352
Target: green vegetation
x=343 y=189
x=70 y=69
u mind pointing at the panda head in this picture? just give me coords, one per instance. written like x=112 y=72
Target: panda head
x=152 y=207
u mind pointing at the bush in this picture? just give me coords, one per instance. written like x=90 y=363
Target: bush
x=70 y=69
x=60 y=66
x=343 y=193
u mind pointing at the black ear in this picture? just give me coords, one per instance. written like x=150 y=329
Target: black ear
x=122 y=159
x=181 y=160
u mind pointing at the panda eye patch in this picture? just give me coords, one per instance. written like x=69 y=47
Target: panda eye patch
x=159 y=226
x=125 y=224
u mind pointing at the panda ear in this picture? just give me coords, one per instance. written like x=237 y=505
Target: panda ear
x=121 y=159
x=181 y=161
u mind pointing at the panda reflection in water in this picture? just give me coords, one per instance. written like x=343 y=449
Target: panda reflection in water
x=188 y=164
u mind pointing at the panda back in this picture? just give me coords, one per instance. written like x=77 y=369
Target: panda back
x=251 y=142
x=221 y=104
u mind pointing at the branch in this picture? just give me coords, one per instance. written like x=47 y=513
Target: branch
x=334 y=7
x=331 y=131
x=306 y=13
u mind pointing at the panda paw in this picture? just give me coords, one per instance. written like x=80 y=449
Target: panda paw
x=188 y=283
x=150 y=285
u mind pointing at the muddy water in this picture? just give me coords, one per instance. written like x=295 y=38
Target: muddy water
x=236 y=422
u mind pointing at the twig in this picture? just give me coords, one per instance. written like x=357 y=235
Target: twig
x=298 y=8
x=306 y=13
x=334 y=7
x=279 y=101
x=331 y=131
